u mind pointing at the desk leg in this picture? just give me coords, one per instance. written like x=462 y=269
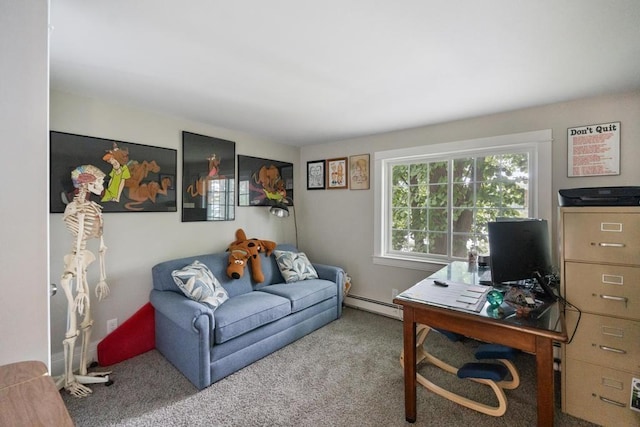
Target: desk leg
x=409 y=339
x=544 y=366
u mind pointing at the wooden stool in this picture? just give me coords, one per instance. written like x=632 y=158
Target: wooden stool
x=493 y=375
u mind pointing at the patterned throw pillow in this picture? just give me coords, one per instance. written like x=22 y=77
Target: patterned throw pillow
x=198 y=283
x=295 y=266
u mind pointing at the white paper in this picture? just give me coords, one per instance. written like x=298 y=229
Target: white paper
x=456 y=295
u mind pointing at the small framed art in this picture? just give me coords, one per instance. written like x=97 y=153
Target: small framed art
x=315 y=175
x=359 y=172
x=337 y=173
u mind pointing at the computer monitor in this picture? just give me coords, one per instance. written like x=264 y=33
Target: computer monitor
x=519 y=250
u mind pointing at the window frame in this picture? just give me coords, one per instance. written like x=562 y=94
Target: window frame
x=537 y=143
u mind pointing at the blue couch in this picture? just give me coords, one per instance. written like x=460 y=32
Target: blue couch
x=258 y=318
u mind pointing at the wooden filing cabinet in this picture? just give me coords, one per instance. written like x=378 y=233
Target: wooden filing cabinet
x=600 y=269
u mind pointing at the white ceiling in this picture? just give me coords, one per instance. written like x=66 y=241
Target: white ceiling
x=303 y=72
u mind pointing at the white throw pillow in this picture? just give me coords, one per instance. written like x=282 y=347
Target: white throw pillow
x=295 y=266
x=198 y=283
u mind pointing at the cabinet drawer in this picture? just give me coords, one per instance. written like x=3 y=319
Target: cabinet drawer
x=602 y=237
x=606 y=341
x=598 y=394
x=604 y=289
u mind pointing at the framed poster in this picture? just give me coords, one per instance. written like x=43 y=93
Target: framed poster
x=208 y=178
x=359 y=172
x=264 y=182
x=315 y=175
x=337 y=173
x=594 y=150
x=139 y=178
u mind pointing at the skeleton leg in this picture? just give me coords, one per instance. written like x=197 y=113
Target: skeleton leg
x=85 y=328
x=69 y=381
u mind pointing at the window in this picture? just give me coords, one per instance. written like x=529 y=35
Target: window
x=434 y=202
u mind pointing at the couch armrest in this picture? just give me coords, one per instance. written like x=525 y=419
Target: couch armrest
x=181 y=310
x=336 y=275
x=184 y=334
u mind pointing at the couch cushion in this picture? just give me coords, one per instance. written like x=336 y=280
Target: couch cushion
x=294 y=266
x=198 y=283
x=246 y=312
x=217 y=263
x=305 y=293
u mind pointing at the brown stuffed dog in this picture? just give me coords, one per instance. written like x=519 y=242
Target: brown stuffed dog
x=245 y=250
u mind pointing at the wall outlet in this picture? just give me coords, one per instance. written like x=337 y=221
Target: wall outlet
x=394 y=293
x=112 y=325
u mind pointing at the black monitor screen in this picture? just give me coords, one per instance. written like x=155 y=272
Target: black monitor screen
x=519 y=249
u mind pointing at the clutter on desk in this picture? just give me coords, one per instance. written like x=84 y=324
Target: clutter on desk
x=521 y=299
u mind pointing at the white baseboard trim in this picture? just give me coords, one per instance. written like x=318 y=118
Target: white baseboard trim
x=366 y=304
x=57 y=359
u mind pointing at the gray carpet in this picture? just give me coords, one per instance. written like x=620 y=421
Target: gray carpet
x=345 y=374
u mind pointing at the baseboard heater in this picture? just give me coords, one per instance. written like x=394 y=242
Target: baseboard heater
x=374 y=306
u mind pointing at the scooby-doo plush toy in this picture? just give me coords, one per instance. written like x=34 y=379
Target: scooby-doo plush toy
x=245 y=250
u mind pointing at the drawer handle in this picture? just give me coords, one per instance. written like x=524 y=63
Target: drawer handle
x=612 y=402
x=611 y=245
x=612 y=349
x=615 y=298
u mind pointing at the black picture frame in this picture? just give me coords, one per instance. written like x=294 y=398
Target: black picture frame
x=151 y=171
x=264 y=182
x=316 y=175
x=208 y=178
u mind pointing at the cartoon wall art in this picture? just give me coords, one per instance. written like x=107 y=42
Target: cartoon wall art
x=315 y=175
x=138 y=178
x=264 y=182
x=359 y=172
x=208 y=178
x=337 y=173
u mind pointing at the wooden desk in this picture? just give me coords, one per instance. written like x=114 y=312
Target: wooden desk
x=534 y=336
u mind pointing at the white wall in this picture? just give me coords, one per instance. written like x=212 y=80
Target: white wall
x=24 y=92
x=337 y=225
x=137 y=241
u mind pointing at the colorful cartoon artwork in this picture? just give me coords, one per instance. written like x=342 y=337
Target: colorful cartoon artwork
x=138 y=177
x=208 y=172
x=264 y=182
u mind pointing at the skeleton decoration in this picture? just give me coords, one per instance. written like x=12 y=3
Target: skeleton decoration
x=83 y=219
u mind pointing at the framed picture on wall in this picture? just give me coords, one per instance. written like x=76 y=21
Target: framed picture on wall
x=264 y=182
x=593 y=150
x=208 y=178
x=315 y=175
x=359 y=172
x=138 y=178
x=337 y=173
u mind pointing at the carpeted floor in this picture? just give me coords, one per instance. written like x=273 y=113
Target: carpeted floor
x=345 y=374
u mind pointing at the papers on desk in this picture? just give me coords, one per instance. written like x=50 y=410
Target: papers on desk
x=456 y=295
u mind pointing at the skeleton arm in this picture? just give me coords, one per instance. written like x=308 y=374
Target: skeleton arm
x=102 y=289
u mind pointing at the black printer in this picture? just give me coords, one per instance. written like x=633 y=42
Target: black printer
x=600 y=196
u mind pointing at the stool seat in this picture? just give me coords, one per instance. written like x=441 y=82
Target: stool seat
x=487 y=371
x=451 y=335
x=495 y=351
